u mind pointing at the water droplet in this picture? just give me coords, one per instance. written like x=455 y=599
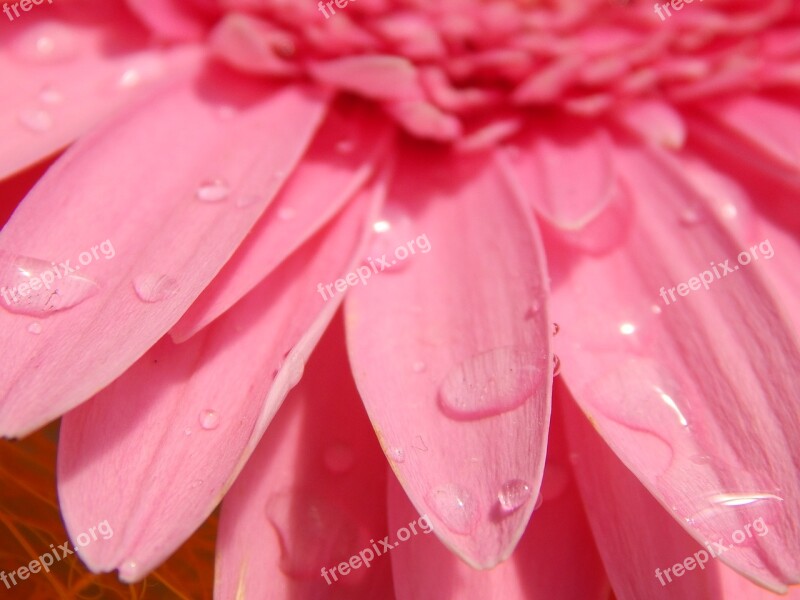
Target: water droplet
x=556 y=365
x=312 y=531
x=743 y=499
x=141 y=69
x=655 y=309
x=339 y=458
x=246 y=200
x=35 y=328
x=701 y=459
x=419 y=367
x=455 y=507
x=35 y=119
x=49 y=95
x=213 y=190
x=30 y=286
x=396 y=454
x=627 y=329
x=491 y=383
x=286 y=214
x=209 y=419
x=196 y=484
x=389 y=248
x=345 y=146
x=296 y=368
x=155 y=288
x=513 y=494
x=187 y=431
x=556 y=329
x=47 y=42
x=129 y=570
x=691 y=217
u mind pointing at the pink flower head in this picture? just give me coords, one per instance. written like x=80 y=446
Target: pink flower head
x=414 y=192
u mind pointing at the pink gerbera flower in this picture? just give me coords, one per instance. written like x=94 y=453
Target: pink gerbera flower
x=455 y=176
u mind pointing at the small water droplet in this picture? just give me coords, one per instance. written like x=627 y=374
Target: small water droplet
x=286 y=214
x=49 y=95
x=556 y=329
x=345 y=146
x=701 y=459
x=155 y=288
x=389 y=248
x=35 y=328
x=196 y=484
x=690 y=217
x=30 y=286
x=556 y=365
x=129 y=570
x=491 y=383
x=246 y=200
x=513 y=494
x=627 y=329
x=419 y=366
x=655 y=309
x=339 y=458
x=35 y=119
x=455 y=507
x=46 y=42
x=396 y=454
x=213 y=190
x=743 y=499
x=209 y=419
x=141 y=69
x=187 y=431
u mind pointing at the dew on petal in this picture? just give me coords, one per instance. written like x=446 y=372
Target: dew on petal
x=187 y=431
x=455 y=507
x=47 y=42
x=49 y=95
x=35 y=328
x=35 y=119
x=31 y=286
x=388 y=249
x=419 y=366
x=155 y=288
x=141 y=69
x=691 y=217
x=213 y=190
x=196 y=484
x=209 y=419
x=513 y=494
x=247 y=200
x=490 y=383
x=339 y=458
x=396 y=454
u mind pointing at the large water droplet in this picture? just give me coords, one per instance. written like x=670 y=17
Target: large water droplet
x=31 y=286
x=312 y=533
x=155 y=288
x=209 y=419
x=339 y=458
x=513 y=494
x=35 y=119
x=456 y=508
x=213 y=190
x=47 y=42
x=491 y=383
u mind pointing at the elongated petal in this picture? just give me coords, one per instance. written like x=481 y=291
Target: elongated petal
x=556 y=557
x=113 y=186
x=337 y=164
x=450 y=348
x=157 y=450
x=170 y=19
x=694 y=389
x=312 y=496
x=66 y=79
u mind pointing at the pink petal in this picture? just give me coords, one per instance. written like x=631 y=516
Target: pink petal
x=655 y=121
x=160 y=447
x=556 y=556
x=336 y=165
x=685 y=392
x=113 y=186
x=312 y=496
x=66 y=79
x=374 y=76
x=170 y=19
x=450 y=349
x=536 y=161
